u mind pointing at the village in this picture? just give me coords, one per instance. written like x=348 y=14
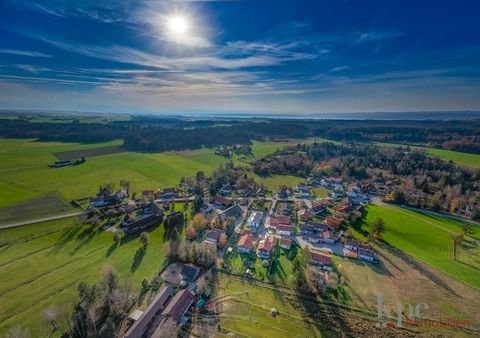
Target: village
x=243 y=232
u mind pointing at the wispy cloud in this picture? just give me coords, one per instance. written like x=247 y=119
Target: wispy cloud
x=32 y=69
x=339 y=69
x=376 y=35
x=24 y=53
x=101 y=11
x=231 y=57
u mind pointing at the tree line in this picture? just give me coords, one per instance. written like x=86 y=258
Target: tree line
x=153 y=134
x=413 y=177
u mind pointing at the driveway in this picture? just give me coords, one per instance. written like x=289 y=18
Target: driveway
x=336 y=248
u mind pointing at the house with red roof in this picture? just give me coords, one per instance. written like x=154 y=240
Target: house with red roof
x=285 y=230
x=179 y=305
x=321 y=259
x=285 y=243
x=279 y=220
x=245 y=244
x=305 y=215
x=333 y=222
x=266 y=247
x=343 y=211
x=328 y=237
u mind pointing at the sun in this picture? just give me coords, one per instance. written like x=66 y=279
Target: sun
x=178 y=25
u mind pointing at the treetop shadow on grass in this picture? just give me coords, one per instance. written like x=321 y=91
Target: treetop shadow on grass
x=138 y=258
x=172 y=233
x=86 y=237
x=112 y=248
x=420 y=267
x=67 y=236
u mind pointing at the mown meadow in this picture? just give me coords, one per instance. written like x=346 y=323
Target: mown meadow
x=425 y=237
x=42 y=264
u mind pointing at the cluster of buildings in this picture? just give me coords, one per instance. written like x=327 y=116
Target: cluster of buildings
x=106 y=199
x=164 y=194
x=355 y=249
x=150 y=215
x=170 y=305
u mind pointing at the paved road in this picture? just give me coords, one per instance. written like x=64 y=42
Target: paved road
x=40 y=220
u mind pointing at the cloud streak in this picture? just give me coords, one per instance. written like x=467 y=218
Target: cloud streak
x=24 y=53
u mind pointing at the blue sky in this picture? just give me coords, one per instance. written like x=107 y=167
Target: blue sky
x=283 y=57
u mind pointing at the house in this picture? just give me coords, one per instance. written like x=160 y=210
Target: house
x=167 y=193
x=365 y=246
x=321 y=259
x=285 y=243
x=225 y=190
x=206 y=209
x=179 y=305
x=190 y=272
x=284 y=192
x=318 y=227
x=151 y=194
x=285 y=229
x=328 y=237
x=350 y=244
x=153 y=215
x=279 y=220
x=366 y=255
x=350 y=253
x=141 y=325
x=255 y=219
x=213 y=236
x=261 y=192
x=284 y=209
x=234 y=211
x=319 y=206
x=305 y=214
x=333 y=222
x=104 y=201
x=245 y=244
x=306 y=229
x=303 y=191
x=246 y=232
x=343 y=210
x=221 y=202
x=265 y=247
x=314 y=239
x=337 y=195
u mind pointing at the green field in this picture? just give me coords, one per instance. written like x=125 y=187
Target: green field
x=465 y=159
x=42 y=264
x=246 y=312
x=424 y=237
x=274 y=182
x=25 y=178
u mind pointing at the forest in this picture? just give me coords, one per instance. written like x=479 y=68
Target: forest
x=154 y=134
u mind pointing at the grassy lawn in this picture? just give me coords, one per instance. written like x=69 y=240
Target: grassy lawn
x=42 y=264
x=465 y=159
x=320 y=192
x=237 y=262
x=246 y=312
x=468 y=252
x=426 y=238
x=274 y=182
x=282 y=268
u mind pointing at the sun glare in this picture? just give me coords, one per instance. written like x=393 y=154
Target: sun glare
x=178 y=24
